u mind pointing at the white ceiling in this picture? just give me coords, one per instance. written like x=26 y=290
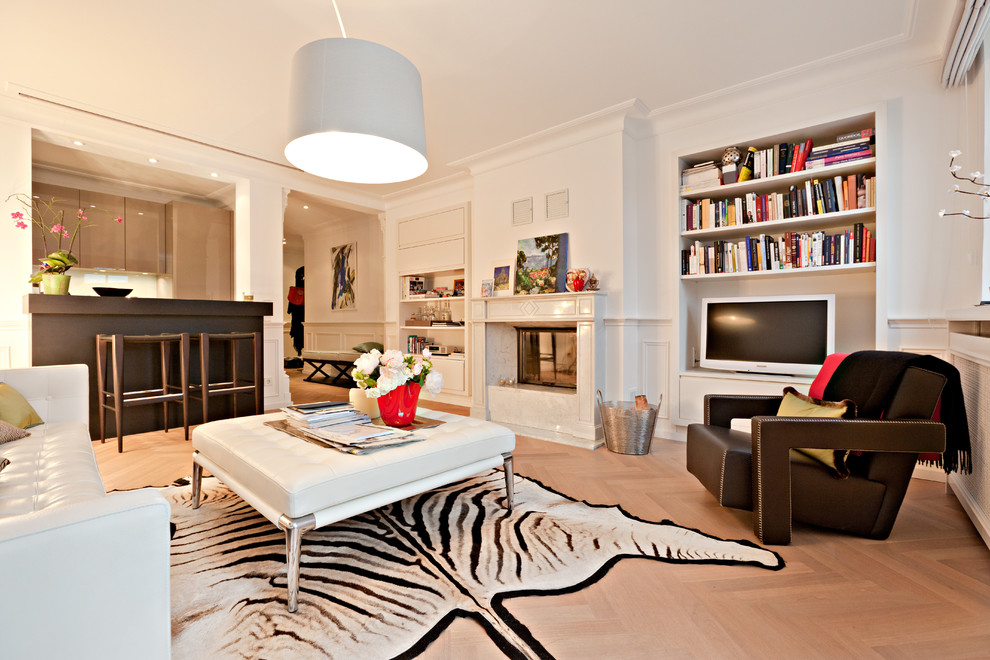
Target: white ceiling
x=493 y=71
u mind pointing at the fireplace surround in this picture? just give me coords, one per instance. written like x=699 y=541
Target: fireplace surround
x=560 y=414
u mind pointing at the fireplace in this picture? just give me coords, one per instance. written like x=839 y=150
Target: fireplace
x=547 y=357
x=565 y=336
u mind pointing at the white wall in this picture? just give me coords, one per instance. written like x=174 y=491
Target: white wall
x=15 y=255
x=592 y=173
x=328 y=329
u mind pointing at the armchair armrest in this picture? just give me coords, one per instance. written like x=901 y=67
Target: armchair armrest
x=720 y=409
x=774 y=437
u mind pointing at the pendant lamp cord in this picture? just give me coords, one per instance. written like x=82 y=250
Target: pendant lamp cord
x=339 y=20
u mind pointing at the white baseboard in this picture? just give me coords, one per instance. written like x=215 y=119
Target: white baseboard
x=972 y=508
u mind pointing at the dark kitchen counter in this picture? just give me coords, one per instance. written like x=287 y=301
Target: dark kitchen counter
x=63 y=330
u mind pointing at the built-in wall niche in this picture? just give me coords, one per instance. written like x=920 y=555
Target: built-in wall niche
x=142 y=285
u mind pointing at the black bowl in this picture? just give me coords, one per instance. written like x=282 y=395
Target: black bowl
x=111 y=292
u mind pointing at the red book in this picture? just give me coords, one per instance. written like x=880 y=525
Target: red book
x=804 y=154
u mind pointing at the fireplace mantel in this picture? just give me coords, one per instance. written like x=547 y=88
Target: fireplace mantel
x=570 y=417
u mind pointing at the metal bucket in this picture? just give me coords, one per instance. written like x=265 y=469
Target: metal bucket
x=627 y=430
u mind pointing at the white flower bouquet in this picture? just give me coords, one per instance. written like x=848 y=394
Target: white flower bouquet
x=379 y=373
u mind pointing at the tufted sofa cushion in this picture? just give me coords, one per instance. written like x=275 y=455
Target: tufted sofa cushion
x=54 y=466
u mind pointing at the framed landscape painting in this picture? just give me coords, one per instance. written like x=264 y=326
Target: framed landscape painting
x=541 y=265
x=343 y=270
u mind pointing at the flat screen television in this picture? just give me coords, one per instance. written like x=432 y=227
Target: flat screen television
x=788 y=335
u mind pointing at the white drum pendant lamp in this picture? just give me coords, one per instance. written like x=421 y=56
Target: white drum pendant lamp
x=356 y=113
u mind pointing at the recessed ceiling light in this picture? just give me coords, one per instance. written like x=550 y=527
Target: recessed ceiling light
x=214 y=174
x=152 y=160
x=92 y=206
x=140 y=212
x=78 y=143
x=305 y=207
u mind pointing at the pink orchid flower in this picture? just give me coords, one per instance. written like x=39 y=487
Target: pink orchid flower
x=57 y=229
x=119 y=219
x=17 y=215
x=20 y=224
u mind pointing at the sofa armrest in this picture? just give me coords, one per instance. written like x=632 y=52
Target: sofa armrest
x=88 y=580
x=774 y=437
x=720 y=409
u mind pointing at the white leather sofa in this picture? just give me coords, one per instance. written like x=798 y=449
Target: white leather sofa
x=83 y=573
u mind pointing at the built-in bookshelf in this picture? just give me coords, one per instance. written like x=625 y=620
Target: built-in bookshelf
x=788 y=231
x=784 y=220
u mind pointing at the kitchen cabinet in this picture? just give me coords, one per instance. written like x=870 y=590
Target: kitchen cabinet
x=199 y=251
x=144 y=236
x=101 y=241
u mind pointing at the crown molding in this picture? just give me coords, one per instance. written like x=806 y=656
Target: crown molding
x=627 y=117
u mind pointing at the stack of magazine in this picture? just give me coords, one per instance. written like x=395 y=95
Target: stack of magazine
x=323 y=414
x=361 y=438
x=338 y=425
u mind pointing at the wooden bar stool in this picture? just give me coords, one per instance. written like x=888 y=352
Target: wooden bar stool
x=236 y=383
x=119 y=398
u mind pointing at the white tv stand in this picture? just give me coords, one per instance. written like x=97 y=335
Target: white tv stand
x=694 y=384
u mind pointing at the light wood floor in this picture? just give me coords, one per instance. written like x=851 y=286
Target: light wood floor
x=923 y=593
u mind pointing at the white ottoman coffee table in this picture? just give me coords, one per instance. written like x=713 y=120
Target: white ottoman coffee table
x=300 y=486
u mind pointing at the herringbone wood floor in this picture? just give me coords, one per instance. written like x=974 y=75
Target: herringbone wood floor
x=923 y=593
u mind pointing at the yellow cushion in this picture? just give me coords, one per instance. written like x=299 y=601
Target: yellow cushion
x=795 y=404
x=15 y=409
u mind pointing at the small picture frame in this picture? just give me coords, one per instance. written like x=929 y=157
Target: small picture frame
x=487 y=288
x=503 y=282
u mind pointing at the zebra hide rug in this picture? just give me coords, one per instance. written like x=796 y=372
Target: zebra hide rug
x=388 y=582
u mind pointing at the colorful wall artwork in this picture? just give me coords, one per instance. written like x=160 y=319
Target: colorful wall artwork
x=343 y=269
x=541 y=265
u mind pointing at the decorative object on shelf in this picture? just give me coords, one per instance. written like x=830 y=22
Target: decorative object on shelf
x=111 y=292
x=730 y=172
x=356 y=112
x=459 y=288
x=343 y=269
x=577 y=279
x=44 y=215
x=502 y=281
x=971 y=179
x=541 y=265
x=592 y=284
x=487 y=288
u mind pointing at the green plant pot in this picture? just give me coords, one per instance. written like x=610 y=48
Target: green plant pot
x=56 y=284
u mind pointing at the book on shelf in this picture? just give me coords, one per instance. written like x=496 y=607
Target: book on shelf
x=790 y=250
x=855 y=135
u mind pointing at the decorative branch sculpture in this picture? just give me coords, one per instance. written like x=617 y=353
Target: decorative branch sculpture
x=972 y=178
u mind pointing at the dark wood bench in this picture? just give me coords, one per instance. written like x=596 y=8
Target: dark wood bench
x=341 y=361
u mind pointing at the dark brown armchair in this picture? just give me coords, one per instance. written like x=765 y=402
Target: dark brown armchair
x=761 y=472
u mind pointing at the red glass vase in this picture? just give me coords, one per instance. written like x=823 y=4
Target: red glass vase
x=398 y=407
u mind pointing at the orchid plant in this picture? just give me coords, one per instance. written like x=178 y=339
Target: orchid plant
x=379 y=373
x=51 y=224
